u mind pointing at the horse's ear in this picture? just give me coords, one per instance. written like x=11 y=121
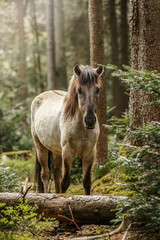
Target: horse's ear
x=100 y=70
x=77 y=70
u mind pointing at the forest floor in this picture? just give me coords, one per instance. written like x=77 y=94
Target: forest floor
x=104 y=186
x=86 y=230
x=93 y=230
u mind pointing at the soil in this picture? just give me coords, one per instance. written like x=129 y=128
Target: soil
x=69 y=232
x=64 y=232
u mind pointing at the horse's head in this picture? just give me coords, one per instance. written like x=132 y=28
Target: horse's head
x=88 y=88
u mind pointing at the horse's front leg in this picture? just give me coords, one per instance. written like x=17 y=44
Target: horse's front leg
x=67 y=160
x=87 y=166
x=57 y=171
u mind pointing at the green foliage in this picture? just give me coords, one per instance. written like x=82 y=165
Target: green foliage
x=22 y=218
x=13 y=172
x=9 y=181
x=139 y=154
x=14 y=119
x=101 y=171
x=22 y=168
x=140 y=79
x=142 y=169
x=117 y=128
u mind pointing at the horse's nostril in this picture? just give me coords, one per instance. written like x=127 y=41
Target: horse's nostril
x=90 y=120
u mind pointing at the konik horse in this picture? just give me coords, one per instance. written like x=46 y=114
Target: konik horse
x=66 y=124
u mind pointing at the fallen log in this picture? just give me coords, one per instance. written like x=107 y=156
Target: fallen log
x=93 y=209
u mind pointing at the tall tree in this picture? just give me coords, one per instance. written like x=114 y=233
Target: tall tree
x=119 y=52
x=97 y=57
x=145 y=54
x=36 y=36
x=124 y=50
x=50 y=45
x=114 y=56
x=22 y=52
x=124 y=32
x=59 y=44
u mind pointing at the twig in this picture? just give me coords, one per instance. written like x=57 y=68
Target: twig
x=118 y=230
x=66 y=218
x=126 y=232
x=69 y=220
x=25 y=193
x=73 y=218
x=25 y=185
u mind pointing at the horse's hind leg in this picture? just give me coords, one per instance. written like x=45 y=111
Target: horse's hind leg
x=57 y=171
x=42 y=155
x=37 y=179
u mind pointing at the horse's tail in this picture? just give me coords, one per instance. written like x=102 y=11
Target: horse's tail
x=37 y=174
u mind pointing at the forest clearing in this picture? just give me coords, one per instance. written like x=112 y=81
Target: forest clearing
x=80 y=120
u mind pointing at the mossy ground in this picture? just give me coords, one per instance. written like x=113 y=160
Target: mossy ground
x=109 y=185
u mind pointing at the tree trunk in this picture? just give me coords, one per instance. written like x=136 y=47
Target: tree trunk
x=145 y=54
x=60 y=45
x=40 y=81
x=124 y=44
x=96 y=30
x=124 y=32
x=85 y=209
x=22 y=52
x=114 y=57
x=50 y=45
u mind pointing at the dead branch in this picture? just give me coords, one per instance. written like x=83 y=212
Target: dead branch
x=126 y=232
x=118 y=230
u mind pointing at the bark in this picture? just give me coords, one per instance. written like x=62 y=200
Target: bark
x=36 y=36
x=145 y=54
x=114 y=58
x=85 y=209
x=60 y=44
x=50 y=45
x=96 y=30
x=124 y=32
x=124 y=45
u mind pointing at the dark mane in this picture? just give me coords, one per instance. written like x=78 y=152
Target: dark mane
x=88 y=76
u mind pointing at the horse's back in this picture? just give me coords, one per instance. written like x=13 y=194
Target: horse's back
x=46 y=110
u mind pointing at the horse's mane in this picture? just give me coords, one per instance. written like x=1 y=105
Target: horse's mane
x=88 y=76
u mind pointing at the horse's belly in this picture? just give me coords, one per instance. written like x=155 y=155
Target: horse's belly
x=48 y=130
x=51 y=140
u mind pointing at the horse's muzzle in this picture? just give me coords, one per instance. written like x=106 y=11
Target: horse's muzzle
x=90 y=122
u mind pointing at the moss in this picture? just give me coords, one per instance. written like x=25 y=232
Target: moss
x=18 y=236
x=109 y=185
x=75 y=190
x=126 y=150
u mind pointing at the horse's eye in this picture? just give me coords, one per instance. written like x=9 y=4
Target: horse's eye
x=79 y=91
x=97 y=90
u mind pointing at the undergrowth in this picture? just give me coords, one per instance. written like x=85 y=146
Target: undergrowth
x=22 y=220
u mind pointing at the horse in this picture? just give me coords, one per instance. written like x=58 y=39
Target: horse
x=65 y=124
